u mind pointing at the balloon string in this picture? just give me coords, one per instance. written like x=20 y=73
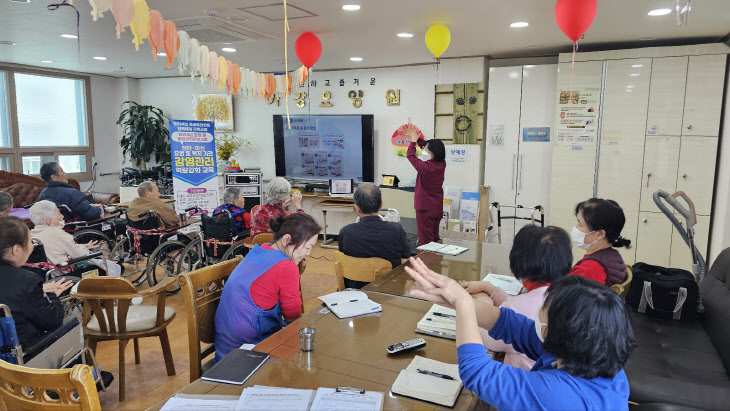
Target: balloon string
x=572 y=66
x=56 y=6
x=286 y=65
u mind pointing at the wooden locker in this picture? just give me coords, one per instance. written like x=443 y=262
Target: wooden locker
x=653 y=241
x=661 y=158
x=703 y=99
x=680 y=256
x=666 y=96
x=696 y=171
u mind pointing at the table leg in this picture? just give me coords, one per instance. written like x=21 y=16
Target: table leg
x=325 y=241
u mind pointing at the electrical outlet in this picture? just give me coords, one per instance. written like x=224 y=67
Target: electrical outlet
x=93 y=161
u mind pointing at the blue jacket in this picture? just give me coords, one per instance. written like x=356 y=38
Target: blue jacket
x=62 y=193
x=544 y=387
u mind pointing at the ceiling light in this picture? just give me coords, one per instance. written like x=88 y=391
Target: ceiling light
x=634 y=74
x=47 y=61
x=99 y=58
x=405 y=35
x=351 y=7
x=20 y=1
x=162 y=54
x=228 y=49
x=660 y=12
x=519 y=24
x=7 y=43
x=529 y=66
x=637 y=66
x=630 y=86
x=69 y=36
x=355 y=58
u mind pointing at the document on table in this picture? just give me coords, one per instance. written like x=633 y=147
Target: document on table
x=182 y=402
x=346 y=304
x=509 y=284
x=262 y=398
x=439 y=321
x=446 y=249
x=335 y=399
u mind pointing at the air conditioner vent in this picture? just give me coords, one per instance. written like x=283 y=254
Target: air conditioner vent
x=217 y=30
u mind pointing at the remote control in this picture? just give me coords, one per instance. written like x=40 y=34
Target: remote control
x=406 y=346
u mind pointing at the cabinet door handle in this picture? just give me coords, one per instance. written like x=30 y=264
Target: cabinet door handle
x=512 y=180
x=648 y=176
x=684 y=175
x=689 y=126
x=644 y=220
x=653 y=127
x=522 y=167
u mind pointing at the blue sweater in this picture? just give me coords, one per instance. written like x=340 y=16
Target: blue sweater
x=544 y=387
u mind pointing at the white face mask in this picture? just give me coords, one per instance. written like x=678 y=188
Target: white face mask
x=579 y=238
x=539 y=324
x=425 y=156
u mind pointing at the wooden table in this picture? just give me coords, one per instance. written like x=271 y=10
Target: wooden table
x=347 y=353
x=473 y=265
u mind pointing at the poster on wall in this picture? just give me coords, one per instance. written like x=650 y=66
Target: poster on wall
x=578 y=119
x=457 y=155
x=214 y=107
x=194 y=173
x=495 y=135
x=535 y=134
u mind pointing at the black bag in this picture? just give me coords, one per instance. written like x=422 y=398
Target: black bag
x=668 y=293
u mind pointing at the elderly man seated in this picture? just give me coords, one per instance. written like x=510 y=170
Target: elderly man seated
x=6 y=204
x=372 y=236
x=61 y=192
x=149 y=199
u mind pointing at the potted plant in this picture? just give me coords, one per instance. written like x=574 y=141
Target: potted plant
x=145 y=133
x=227 y=145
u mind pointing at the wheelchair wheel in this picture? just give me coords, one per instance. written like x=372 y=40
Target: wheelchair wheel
x=191 y=257
x=120 y=253
x=234 y=251
x=84 y=236
x=163 y=263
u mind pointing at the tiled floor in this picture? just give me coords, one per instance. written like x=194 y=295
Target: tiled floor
x=148 y=383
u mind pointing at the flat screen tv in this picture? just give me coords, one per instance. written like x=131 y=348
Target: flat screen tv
x=324 y=147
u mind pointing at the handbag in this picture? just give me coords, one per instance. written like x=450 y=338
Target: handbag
x=660 y=292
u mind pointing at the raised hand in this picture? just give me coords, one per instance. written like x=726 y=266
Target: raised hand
x=296 y=198
x=57 y=287
x=435 y=287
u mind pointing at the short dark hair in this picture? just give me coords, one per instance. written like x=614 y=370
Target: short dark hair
x=48 y=170
x=606 y=215
x=368 y=198
x=541 y=254
x=15 y=232
x=436 y=147
x=6 y=201
x=301 y=227
x=588 y=328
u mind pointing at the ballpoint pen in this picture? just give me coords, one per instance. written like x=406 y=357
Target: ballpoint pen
x=435 y=374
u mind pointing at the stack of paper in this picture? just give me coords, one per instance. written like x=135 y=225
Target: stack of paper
x=509 y=284
x=263 y=398
x=445 y=249
x=439 y=321
x=346 y=304
x=429 y=380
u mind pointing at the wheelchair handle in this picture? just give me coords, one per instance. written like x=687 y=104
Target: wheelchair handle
x=145 y=214
x=220 y=213
x=193 y=208
x=80 y=259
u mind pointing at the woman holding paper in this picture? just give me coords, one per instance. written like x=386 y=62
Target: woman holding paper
x=429 y=196
x=580 y=338
x=262 y=292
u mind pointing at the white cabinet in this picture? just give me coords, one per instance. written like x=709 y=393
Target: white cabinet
x=654 y=239
x=666 y=98
x=696 y=171
x=703 y=99
x=661 y=158
x=680 y=256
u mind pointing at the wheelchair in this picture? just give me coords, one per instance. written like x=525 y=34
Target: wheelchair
x=153 y=249
x=215 y=243
x=105 y=230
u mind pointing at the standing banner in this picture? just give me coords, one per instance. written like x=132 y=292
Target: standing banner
x=194 y=172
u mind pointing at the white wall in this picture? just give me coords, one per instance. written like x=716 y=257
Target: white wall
x=254 y=118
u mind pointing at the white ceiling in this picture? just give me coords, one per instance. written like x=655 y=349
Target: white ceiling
x=478 y=27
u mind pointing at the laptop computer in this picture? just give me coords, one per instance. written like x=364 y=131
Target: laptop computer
x=342 y=187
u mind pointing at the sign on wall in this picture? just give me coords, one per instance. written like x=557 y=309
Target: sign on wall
x=194 y=173
x=535 y=134
x=578 y=122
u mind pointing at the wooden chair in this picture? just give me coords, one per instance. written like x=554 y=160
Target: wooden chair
x=358 y=269
x=28 y=388
x=623 y=288
x=202 y=291
x=261 y=238
x=118 y=321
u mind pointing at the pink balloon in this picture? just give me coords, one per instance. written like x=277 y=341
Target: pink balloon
x=157 y=32
x=123 y=11
x=214 y=68
x=230 y=77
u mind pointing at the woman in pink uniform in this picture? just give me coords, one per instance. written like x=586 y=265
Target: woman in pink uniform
x=429 y=197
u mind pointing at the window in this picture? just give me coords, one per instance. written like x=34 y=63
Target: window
x=45 y=117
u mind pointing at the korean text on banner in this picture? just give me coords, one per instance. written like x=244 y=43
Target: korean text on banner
x=194 y=172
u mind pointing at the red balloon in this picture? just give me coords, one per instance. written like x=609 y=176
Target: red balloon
x=308 y=48
x=574 y=17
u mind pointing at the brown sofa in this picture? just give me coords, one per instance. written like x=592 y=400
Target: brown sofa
x=26 y=189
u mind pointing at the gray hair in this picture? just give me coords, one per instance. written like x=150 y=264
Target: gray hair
x=42 y=211
x=6 y=201
x=231 y=194
x=144 y=188
x=277 y=190
x=368 y=198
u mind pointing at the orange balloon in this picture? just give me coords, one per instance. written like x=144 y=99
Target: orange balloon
x=157 y=32
x=172 y=42
x=288 y=82
x=236 y=79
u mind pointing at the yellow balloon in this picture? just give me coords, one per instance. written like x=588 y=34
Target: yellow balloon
x=222 y=72
x=140 y=24
x=438 y=38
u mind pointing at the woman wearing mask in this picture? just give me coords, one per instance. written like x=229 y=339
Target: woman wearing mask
x=598 y=231
x=539 y=256
x=262 y=293
x=429 y=196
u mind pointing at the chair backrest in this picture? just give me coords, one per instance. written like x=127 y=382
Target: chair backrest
x=358 y=269
x=623 y=288
x=10 y=349
x=219 y=227
x=263 y=238
x=28 y=388
x=202 y=291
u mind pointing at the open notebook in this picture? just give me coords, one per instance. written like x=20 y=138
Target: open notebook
x=439 y=321
x=509 y=284
x=438 y=390
x=446 y=249
x=346 y=304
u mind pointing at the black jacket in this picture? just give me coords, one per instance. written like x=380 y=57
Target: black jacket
x=373 y=237
x=62 y=193
x=34 y=311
